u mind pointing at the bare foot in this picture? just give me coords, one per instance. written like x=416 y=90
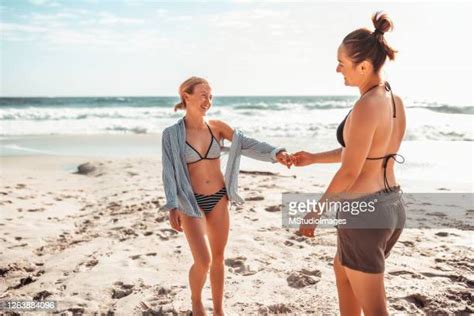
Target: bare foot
x=198 y=309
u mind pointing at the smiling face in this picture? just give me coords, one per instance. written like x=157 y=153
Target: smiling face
x=200 y=100
x=353 y=74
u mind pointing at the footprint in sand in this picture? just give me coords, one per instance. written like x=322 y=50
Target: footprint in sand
x=126 y=233
x=468 y=280
x=114 y=206
x=24 y=281
x=159 y=303
x=462 y=263
x=453 y=302
x=407 y=243
x=420 y=300
x=147 y=308
x=92 y=263
x=297 y=237
x=273 y=208
x=437 y=214
x=88 y=264
x=40 y=296
x=166 y=233
x=291 y=244
x=121 y=290
x=255 y=198
x=303 y=278
x=274 y=309
x=41 y=209
x=405 y=272
x=238 y=265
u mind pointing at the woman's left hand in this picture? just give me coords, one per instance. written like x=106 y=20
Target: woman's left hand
x=308 y=229
x=284 y=158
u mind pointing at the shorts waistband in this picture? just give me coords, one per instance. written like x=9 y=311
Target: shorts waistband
x=381 y=195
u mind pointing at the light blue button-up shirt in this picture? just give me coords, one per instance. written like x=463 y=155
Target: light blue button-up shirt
x=176 y=179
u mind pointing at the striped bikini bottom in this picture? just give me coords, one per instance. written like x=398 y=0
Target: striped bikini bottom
x=207 y=202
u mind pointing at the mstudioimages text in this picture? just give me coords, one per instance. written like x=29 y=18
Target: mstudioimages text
x=319 y=207
x=316 y=221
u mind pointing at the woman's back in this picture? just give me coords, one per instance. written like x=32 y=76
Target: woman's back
x=387 y=138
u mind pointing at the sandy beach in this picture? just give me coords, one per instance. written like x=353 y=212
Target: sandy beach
x=98 y=242
x=89 y=87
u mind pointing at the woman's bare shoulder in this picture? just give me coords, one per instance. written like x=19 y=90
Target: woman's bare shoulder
x=223 y=128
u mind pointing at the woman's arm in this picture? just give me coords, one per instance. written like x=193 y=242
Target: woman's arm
x=250 y=145
x=304 y=158
x=331 y=156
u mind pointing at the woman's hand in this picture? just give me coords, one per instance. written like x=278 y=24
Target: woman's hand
x=308 y=229
x=284 y=158
x=302 y=158
x=175 y=220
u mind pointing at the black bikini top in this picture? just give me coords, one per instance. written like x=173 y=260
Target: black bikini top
x=340 y=128
x=340 y=137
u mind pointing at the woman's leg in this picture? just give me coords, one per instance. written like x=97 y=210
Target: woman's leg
x=195 y=229
x=348 y=304
x=218 y=232
x=369 y=290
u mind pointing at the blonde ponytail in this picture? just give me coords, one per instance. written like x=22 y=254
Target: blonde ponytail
x=179 y=106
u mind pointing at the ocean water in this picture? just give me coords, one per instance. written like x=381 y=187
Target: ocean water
x=438 y=146
x=25 y=122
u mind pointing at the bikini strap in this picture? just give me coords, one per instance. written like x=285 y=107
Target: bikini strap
x=389 y=88
x=386 y=158
x=208 y=127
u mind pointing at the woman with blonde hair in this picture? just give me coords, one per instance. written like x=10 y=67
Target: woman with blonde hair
x=370 y=136
x=197 y=192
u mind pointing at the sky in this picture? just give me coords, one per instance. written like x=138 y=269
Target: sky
x=147 y=48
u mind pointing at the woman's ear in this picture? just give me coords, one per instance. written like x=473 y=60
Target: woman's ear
x=365 y=67
x=185 y=97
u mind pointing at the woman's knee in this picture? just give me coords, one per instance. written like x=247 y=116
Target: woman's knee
x=218 y=258
x=203 y=262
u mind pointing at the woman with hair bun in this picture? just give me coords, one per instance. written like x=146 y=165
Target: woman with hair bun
x=370 y=136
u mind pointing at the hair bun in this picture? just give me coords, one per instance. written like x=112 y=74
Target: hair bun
x=382 y=23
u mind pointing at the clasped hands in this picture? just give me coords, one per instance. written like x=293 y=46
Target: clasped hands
x=298 y=159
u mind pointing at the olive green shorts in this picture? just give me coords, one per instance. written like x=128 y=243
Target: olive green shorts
x=365 y=241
